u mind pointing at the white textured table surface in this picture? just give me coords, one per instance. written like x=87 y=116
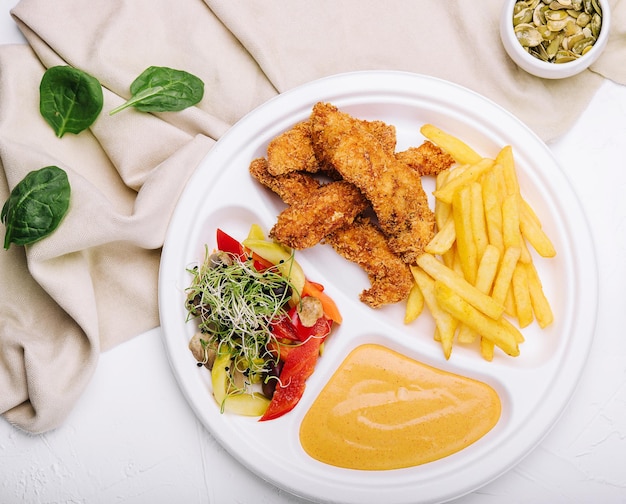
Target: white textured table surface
x=133 y=439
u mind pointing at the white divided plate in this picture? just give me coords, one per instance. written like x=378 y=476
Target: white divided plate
x=534 y=388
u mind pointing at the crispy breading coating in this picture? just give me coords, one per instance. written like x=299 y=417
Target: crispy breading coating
x=427 y=159
x=292 y=151
x=363 y=154
x=290 y=187
x=308 y=220
x=364 y=244
x=385 y=133
x=394 y=190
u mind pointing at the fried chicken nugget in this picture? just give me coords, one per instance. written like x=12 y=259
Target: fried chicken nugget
x=293 y=150
x=314 y=210
x=364 y=244
x=307 y=221
x=290 y=187
x=394 y=190
x=360 y=242
x=427 y=159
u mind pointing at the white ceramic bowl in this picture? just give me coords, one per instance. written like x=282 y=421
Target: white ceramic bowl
x=546 y=70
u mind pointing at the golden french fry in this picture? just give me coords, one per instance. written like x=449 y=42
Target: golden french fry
x=465 y=334
x=541 y=306
x=414 y=304
x=486 y=349
x=449 y=257
x=500 y=181
x=506 y=161
x=529 y=211
x=460 y=286
x=436 y=335
x=512 y=188
x=461 y=210
x=510 y=222
x=532 y=231
x=509 y=302
x=442 y=210
x=492 y=201
x=456 y=264
x=505 y=274
x=471 y=174
x=519 y=337
x=485 y=276
x=525 y=256
x=477 y=217
x=460 y=151
x=521 y=295
x=511 y=234
x=446 y=334
x=443 y=239
x=494 y=330
x=453 y=173
x=488 y=268
x=445 y=323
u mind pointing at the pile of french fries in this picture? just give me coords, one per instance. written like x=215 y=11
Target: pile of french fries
x=477 y=276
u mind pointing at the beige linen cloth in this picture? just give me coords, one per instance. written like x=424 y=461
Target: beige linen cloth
x=93 y=283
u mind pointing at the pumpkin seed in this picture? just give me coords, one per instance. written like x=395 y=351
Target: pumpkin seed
x=524 y=16
x=580 y=45
x=596 y=24
x=583 y=19
x=528 y=35
x=556 y=15
x=565 y=57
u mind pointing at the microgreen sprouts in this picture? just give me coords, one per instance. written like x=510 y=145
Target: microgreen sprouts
x=234 y=304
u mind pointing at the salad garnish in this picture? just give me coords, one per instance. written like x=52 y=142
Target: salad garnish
x=253 y=308
x=234 y=303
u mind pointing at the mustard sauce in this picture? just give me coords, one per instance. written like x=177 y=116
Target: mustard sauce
x=382 y=410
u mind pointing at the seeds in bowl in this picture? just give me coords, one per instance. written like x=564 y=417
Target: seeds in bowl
x=558 y=31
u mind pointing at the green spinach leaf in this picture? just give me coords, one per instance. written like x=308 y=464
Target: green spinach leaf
x=162 y=89
x=36 y=206
x=69 y=99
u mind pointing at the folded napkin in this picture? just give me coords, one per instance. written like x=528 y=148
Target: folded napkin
x=92 y=284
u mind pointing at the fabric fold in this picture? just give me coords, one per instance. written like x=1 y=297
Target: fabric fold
x=453 y=40
x=91 y=284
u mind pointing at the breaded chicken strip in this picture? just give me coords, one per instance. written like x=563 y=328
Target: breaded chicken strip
x=293 y=150
x=427 y=159
x=364 y=244
x=394 y=190
x=307 y=221
x=290 y=187
x=360 y=242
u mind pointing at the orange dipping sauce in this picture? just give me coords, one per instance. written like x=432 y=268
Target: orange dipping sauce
x=382 y=410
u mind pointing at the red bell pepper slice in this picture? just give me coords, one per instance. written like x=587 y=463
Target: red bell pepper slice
x=227 y=243
x=283 y=328
x=299 y=365
x=320 y=329
x=290 y=327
